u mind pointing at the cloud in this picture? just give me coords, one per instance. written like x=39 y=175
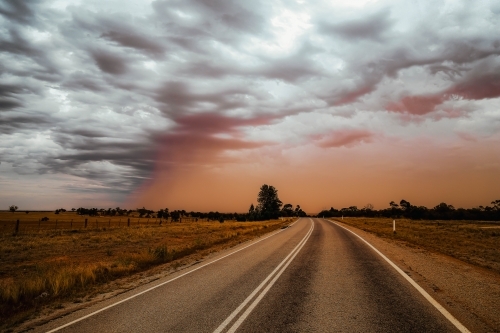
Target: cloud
x=109 y=63
x=345 y=138
x=121 y=95
x=370 y=27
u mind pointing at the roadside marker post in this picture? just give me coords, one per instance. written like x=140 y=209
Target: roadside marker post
x=394 y=226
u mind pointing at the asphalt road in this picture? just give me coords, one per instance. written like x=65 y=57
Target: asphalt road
x=311 y=277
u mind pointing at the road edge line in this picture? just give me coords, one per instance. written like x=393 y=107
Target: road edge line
x=424 y=293
x=162 y=284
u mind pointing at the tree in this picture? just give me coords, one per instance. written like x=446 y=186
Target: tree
x=287 y=210
x=13 y=208
x=269 y=203
x=405 y=205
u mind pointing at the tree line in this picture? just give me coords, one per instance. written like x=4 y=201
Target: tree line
x=442 y=211
x=269 y=206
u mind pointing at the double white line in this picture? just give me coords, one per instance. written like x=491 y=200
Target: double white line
x=279 y=269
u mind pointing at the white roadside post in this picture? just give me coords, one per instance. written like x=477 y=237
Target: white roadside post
x=342 y=217
x=394 y=226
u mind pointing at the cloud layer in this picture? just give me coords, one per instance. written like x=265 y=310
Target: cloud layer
x=113 y=103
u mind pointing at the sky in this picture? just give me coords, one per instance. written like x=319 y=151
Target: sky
x=195 y=104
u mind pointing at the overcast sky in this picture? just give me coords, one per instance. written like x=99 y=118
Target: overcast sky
x=195 y=104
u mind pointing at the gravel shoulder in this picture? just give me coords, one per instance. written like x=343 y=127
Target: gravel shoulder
x=470 y=293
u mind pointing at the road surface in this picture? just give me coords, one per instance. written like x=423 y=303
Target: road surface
x=311 y=277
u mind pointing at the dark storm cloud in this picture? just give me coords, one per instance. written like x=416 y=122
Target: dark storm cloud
x=109 y=63
x=20 y=11
x=109 y=90
x=372 y=27
x=133 y=40
x=177 y=97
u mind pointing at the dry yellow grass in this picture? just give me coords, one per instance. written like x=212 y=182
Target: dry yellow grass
x=40 y=267
x=473 y=242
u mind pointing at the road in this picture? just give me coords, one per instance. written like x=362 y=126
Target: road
x=311 y=277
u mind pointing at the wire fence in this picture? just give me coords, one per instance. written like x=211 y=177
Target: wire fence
x=20 y=226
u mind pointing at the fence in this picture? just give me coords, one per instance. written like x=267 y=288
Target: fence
x=20 y=226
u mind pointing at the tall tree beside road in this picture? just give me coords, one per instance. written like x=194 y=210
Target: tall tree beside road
x=269 y=203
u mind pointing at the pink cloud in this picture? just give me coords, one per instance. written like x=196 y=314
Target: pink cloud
x=473 y=87
x=345 y=138
x=418 y=105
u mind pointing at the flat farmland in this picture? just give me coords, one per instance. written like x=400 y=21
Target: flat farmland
x=475 y=242
x=33 y=221
x=48 y=265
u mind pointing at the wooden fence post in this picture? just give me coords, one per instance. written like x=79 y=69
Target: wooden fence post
x=85 y=223
x=17 y=226
x=128 y=222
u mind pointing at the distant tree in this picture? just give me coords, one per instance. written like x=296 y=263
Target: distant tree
x=73 y=209
x=269 y=203
x=13 y=208
x=368 y=207
x=287 y=210
x=175 y=215
x=405 y=205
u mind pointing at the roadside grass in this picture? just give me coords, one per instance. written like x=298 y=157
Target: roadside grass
x=477 y=243
x=46 y=267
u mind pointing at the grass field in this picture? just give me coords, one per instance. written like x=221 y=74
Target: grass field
x=477 y=243
x=47 y=265
x=32 y=221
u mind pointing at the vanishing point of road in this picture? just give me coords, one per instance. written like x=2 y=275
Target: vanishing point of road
x=313 y=276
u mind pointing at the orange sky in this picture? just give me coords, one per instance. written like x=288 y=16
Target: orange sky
x=459 y=172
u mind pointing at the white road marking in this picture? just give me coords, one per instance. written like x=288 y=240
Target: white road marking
x=161 y=284
x=285 y=262
x=429 y=298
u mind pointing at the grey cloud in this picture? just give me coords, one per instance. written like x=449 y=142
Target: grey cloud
x=20 y=11
x=103 y=82
x=133 y=40
x=372 y=27
x=109 y=63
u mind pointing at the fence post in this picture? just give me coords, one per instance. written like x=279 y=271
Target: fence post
x=17 y=226
x=85 y=223
x=128 y=222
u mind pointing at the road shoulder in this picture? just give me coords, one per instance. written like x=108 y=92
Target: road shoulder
x=470 y=293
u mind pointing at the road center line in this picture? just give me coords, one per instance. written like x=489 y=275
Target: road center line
x=285 y=262
x=424 y=293
x=163 y=283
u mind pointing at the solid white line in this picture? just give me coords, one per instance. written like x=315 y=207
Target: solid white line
x=161 y=284
x=264 y=292
x=249 y=298
x=431 y=300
